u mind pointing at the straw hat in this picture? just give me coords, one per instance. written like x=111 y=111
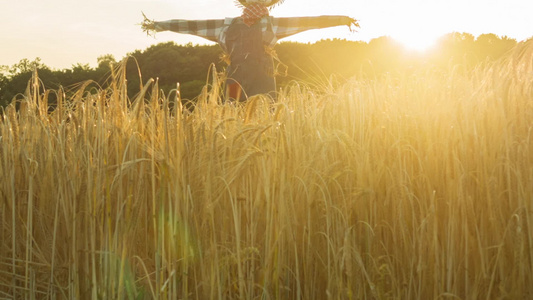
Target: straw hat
x=268 y=3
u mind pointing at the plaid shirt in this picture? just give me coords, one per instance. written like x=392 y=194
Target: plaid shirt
x=273 y=28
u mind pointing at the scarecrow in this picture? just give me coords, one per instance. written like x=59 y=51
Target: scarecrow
x=248 y=41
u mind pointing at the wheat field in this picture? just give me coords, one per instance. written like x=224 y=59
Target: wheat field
x=406 y=186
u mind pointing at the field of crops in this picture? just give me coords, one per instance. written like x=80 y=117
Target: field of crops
x=406 y=186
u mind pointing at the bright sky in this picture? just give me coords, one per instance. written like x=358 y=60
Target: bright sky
x=66 y=32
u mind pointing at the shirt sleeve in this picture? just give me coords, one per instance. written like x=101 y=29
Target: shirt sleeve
x=208 y=29
x=284 y=27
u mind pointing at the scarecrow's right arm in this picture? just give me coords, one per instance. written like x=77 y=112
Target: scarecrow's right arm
x=284 y=27
x=208 y=29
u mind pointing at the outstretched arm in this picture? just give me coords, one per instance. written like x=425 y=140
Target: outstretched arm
x=208 y=29
x=284 y=27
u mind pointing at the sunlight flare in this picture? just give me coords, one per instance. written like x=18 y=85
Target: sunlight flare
x=415 y=41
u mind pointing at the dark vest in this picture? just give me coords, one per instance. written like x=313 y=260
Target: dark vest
x=251 y=66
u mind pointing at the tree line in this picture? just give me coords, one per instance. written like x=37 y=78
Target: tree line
x=313 y=63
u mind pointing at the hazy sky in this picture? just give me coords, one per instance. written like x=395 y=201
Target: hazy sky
x=66 y=32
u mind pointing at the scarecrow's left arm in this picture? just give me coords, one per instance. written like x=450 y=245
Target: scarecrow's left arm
x=284 y=27
x=208 y=29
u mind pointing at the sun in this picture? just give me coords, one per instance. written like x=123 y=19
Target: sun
x=416 y=41
x=416 y=30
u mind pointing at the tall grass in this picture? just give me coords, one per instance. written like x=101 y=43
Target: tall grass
x=400 y=187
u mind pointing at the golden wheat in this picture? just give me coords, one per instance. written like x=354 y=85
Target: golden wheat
x=400 y=187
